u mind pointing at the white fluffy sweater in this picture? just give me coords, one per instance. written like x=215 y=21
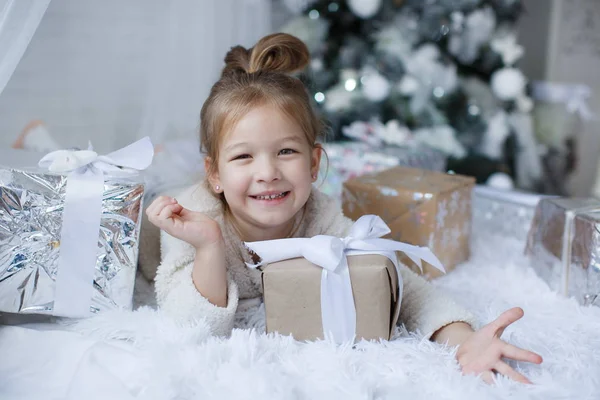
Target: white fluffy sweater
x=423 y=307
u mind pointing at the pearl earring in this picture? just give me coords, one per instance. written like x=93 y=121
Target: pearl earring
x=217 y=187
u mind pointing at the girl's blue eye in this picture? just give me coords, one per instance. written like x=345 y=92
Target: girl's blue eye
x=287 y=151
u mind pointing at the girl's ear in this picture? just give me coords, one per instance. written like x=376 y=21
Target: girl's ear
x=315 y=161
x=212 y=174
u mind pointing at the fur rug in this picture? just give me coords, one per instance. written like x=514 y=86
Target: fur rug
x=145 y=355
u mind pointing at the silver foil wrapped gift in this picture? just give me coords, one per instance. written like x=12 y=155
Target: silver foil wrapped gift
x=69 y=239
x=564 y=245
x=500 y=212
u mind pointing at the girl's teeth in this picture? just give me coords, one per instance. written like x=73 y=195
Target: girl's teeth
x=270 y=197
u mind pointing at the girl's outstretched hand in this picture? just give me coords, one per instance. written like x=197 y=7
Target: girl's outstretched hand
x=192 y=227
x=482 y=352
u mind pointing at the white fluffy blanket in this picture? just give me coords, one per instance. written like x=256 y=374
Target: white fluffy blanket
x=145 y=355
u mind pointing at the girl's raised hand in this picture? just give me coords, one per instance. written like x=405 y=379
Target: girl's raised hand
x=192 y=227
x=483 y=351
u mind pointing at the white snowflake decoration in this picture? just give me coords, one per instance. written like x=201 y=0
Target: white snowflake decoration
x=454 y=202
x=441 y=214
x=508 y=48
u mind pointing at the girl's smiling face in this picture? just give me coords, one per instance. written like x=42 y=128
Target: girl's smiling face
x=265 y=170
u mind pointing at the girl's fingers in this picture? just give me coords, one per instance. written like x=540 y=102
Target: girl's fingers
x=487 y=377
x=516 y=353
x=157 y=205
x=506 y=370
x=505 y=319
x=150 y=208
x=177 y=208
x=168 y=211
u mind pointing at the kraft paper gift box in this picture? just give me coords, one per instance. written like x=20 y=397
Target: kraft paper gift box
x=564 y=246
x=346 y=160
x=292 y=297
x=350 y=288
x=69 y=231
x=421 y=207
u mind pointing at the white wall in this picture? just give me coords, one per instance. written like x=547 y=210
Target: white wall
x=114 y=70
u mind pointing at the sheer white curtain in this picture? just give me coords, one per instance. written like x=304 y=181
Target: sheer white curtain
x=18 y=22
x=195 y=35
x=112 y=71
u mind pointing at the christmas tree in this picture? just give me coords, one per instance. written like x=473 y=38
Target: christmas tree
x=439 y=73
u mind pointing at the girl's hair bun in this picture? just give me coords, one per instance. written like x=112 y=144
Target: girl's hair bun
x=279 y=52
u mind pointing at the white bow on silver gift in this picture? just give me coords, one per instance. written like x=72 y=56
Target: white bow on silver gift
x=574 y=97
x=128 y=160
x=82 y=212
x=329 y=252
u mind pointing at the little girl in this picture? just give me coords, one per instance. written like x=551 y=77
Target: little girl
x=259 y=133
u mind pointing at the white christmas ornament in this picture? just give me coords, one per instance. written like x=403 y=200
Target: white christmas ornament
x=408 y=85
x=529 y=165
x=376 y=134
x=364 y=131
x=364 y=8
x=338 y=98
x=495 y=135
x=500 y=180
x=316 y=64
x=375 y=87
x=395 y=134
x=457 y=19
x=508 y=83
x=524 y=103
x=471 y=33
x=425 y=66
x=396 y=39
x=508 y=48
x=441 y=137
x=311 y=31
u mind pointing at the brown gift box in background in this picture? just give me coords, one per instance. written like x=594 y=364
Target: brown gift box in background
x=564 y=246
x=421 y=207
x=292 y=297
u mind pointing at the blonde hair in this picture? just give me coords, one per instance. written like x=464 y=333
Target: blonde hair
x=255 y=77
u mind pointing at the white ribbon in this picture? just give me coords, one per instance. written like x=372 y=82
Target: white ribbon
x=573 y=96
x=82 y=212
x=329 y=252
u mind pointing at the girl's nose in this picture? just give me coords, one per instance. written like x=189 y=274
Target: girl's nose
x=268 y=171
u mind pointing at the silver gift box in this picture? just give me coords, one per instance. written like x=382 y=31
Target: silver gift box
x=564 y=246
x=31 y=205
x=505 y=213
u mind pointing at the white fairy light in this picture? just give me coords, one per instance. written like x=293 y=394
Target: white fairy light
x=350 y=84
x=438 y=92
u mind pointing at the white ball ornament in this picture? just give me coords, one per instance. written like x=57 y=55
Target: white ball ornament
x=375 y=87
x=364 y=8
x=500 y=180
x=508 y=83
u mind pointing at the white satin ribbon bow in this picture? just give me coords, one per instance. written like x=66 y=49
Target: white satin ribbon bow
x=127 y=161
x=329 y=252
x=573 y=96
x=82 y=212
